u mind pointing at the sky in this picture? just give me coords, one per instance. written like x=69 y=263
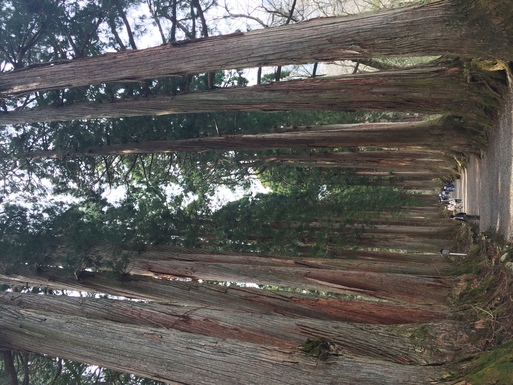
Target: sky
x=223 y=25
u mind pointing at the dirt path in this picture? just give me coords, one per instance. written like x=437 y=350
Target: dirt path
x=486 y=185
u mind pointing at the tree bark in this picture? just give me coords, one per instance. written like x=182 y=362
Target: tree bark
x=423 y=211
x=9 y=367
x=395 y=243
x=406 y=220
x=240 y=300
x=373 y=255
x=402 y=288
x=404 y=175
x=269 y=330
x=401 y=158
x=179 y=357
x=427 y=184
x=429 y=90
x=444 y=133
x=391 y=161
x=426 y=231
x=477 y=28
x=162 y=253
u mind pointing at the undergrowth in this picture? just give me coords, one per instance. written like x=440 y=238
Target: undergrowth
x=487 y=301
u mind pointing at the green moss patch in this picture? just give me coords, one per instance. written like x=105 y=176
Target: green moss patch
x=493 y=367
x=320 y=348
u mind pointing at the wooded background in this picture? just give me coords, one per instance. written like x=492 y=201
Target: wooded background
x=328 y=272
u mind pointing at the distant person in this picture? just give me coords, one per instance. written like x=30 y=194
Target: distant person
x=456 y=204
x=464 y=217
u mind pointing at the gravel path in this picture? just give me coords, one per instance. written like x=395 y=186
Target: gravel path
x=486 y=185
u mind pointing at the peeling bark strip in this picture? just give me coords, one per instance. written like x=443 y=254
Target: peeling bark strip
x=429 y=90
x=179 y=357
x=452 y=27
x=397 y=134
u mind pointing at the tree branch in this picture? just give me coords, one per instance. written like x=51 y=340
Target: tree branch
x=9 y=367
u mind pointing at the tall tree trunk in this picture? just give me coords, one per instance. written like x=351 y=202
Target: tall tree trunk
x=406 y=175
x=469 y=28
x=199 y=257
x=391 y=161
x=169 y=355
x=402 y=288
x=427 y=184
x=374 y=255
x=223 y=323
x=9 y=367
x=418 y=232
x=389 y=242
x=405 y=220
x=401 y=158
x=444 y=133
x=429 y=90
x=241 y=300
x=423 y=211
